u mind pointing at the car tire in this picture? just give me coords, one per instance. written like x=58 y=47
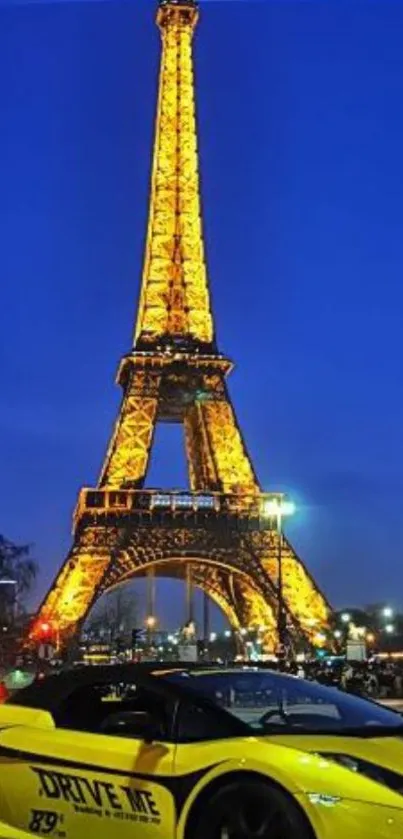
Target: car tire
x=250 y=810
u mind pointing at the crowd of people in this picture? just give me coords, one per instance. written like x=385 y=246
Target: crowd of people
x=375 y=679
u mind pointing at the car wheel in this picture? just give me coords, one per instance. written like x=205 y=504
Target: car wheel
x=250 y=810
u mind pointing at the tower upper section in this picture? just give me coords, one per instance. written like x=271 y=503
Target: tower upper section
x=174 y=304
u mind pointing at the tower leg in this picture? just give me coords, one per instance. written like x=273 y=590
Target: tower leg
x=129 y=449
x=216 y=451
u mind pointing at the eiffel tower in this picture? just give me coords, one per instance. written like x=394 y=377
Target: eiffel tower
x=216 y=535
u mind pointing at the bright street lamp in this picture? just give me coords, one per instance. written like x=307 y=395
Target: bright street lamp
x=274 y=507
x=337 y=633
x=150 y=622
x=278 y=507
x=387 y=612
x=389 y=628
x=345 y=617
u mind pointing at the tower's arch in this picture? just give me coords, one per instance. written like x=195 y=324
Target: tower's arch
x=238 y=596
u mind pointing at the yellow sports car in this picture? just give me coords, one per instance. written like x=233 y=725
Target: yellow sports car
x=135 y=752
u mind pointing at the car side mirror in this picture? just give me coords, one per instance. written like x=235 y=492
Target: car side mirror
x=139 y=724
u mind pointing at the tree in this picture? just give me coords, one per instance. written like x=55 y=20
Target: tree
x=18 y=572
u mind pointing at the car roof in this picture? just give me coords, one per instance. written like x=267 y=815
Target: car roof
x=48 y=691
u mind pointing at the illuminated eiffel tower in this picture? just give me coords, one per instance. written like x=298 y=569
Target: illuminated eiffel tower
x=216 y=535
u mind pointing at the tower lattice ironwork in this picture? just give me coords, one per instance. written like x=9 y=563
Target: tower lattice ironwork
x=175 y=373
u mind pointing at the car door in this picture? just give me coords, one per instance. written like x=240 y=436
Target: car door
x=68 y=781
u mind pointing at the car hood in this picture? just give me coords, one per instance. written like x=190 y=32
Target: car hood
x=382 y=751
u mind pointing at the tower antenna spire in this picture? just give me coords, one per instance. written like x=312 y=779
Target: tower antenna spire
x=174 y=303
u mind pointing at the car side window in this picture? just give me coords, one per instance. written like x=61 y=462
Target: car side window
x=194 y=724
x=88 y=707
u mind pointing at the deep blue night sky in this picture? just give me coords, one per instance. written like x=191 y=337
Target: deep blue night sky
x=300 y=109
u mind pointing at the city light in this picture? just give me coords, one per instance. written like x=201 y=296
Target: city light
x=227 y=633
x=337 y=633
x=345 y=617
x=320 y=638
x=387 y=612
x=370 y=637
x=389 y=628
x=213 y=636
x=278 y=508
x=150 y=622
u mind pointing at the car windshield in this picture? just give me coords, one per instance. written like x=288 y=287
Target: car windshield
x=269 y=702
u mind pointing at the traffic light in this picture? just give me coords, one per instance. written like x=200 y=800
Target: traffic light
x=47 y=640
x=45 y=632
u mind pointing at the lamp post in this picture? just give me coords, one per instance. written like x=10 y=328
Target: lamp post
x=276 y=508
x=151 y=623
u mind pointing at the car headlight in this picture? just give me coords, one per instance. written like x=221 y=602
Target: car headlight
x=376 y=773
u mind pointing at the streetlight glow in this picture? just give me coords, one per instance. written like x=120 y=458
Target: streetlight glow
x=278 y=508
x=346 y=618
x=389 y=628
x=150 y=622
x=387 y=612
x=337 y=633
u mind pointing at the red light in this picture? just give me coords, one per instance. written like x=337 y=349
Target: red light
x=45 y=627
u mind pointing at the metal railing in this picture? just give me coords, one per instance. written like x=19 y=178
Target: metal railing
x=98 y=502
